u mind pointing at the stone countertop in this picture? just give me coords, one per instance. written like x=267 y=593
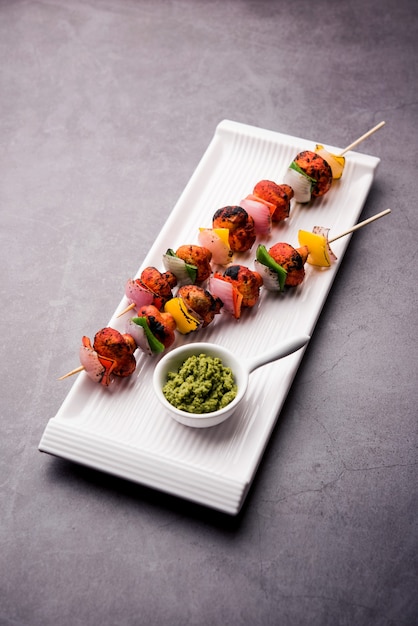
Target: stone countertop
x=106 y=107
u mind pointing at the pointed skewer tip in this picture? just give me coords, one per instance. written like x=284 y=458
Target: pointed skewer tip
x=74 y=371
x=361 y=224
x=128 y=308
x=362 y=138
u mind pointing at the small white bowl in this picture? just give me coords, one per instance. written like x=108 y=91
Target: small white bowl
x=241 y=370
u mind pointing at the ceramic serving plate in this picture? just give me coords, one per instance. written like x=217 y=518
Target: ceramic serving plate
x=123 y=430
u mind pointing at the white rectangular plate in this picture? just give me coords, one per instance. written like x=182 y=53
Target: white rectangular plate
x=122 y=430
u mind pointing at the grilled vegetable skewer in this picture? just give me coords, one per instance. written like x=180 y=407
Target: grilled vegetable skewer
x=112 y=354
x=311 y=174
x=282 y=265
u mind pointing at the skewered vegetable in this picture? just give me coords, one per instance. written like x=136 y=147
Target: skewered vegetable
x=335 y=161
x=320 y=253
x=187 y=321
x=260 y=212
x=217 y=241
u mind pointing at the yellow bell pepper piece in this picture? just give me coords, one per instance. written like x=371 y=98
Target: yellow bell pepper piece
x=335 y=161
x=317 y=246
x=223 y=234
x=185 y=321
x=217 y=241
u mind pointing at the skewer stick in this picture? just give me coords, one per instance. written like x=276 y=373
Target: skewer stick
x=362 y=138
x=128 y=308
x=75 y=371
x=360 y=225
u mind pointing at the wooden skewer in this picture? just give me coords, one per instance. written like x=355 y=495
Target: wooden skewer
x=360 y=225
x=75 y=371
x=362 y=138
x=128 y=308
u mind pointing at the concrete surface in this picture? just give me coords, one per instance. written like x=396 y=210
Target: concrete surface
x=106 y=107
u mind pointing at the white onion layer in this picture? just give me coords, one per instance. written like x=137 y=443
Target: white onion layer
x=271 y=280
x=138 y=333
x=300 y=184
x=221 y=252
x=225 y=291
x=89 y=359
x=136 y=293
x=178 y=267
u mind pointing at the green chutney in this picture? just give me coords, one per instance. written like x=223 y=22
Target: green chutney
x=201 y=385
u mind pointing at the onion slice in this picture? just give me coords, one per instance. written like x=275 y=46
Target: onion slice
x=186 y=320
x=271 y=279
x=260 y=212
x=89 y=359
x=273 y=275
x=184 y=272
x=300 y=182
x=138 y=294
x=270 y=205
x=228 y=293
x=216 y=240
x=98 y=368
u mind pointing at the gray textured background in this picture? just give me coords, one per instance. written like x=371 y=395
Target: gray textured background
x=106 y=107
